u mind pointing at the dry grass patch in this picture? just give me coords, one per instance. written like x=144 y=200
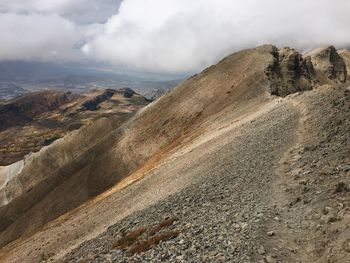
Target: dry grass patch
x=165 y=223
x=144 y=245
x=130 y=238
x=142 y=239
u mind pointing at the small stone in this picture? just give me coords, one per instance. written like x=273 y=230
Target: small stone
x=346 y=245
x=270 y=233
x=261 y=250
x=293 y=250
x=188 y=225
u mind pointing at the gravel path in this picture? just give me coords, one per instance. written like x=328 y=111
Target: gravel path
x=223 y=216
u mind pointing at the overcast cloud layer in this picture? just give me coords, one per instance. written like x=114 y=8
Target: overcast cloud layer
x=165 y=35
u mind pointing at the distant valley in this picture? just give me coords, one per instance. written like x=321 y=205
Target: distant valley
x=20 y=77
x=36 y=119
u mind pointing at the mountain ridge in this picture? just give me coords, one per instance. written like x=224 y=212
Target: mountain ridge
x=204 y=109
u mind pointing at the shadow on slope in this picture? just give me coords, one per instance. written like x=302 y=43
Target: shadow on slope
x=91 y=160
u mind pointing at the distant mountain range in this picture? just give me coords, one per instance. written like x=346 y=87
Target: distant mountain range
x=34 y=120
x=19 y=76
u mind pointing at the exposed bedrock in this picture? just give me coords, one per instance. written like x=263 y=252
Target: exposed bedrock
x=329 y=65
x=292 y=72
x=289 y=73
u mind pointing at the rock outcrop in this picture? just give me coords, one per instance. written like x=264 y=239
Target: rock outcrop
x=345 y=54
x=329 y=65
x=127 y=92
x=289 y=73
x=292 y=72
x=156 y=94
x=93 y=104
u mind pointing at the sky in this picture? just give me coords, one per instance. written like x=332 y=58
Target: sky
x=164 y=36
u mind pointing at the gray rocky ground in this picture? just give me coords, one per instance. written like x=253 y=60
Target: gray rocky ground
x=222 y=171
x=221 y=215
x=279 y=194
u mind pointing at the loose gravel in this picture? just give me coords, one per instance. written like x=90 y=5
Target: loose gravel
x=222 y=216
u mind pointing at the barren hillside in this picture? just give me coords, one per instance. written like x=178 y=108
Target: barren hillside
x=34 y=120
x=246 y=161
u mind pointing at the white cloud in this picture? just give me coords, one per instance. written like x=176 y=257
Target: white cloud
x=36 y=5
x=49 y=30
x=80 y=11
x=36 y=36
x=182 y=35
x=165 y=35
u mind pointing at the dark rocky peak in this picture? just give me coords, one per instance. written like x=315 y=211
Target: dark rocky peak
x=94 y=103
x=127 y=92
x=289 y=73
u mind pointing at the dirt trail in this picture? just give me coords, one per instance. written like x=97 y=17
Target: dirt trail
x=225 y=210
x=68 y=231
x=285 y=244
x=313 y=212
x=270 y=194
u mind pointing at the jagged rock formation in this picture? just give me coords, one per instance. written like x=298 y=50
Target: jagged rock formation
x=289 y=73
x=94 y=103
x=292 y=72
x=345 y=54
x=155 y=94
x=329 y=65
x=220 y=144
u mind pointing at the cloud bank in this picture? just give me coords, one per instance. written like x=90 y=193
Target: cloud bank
x=165 y=35
x=181 y=35
x=26 y=37
x=51 y=30
x=78 y=11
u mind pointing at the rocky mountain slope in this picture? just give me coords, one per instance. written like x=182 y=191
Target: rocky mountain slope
x=247 y=161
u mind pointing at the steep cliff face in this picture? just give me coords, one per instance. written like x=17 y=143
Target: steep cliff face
x=329 y=65
x=345 y=54
x=289 y=73
x=292 y=72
